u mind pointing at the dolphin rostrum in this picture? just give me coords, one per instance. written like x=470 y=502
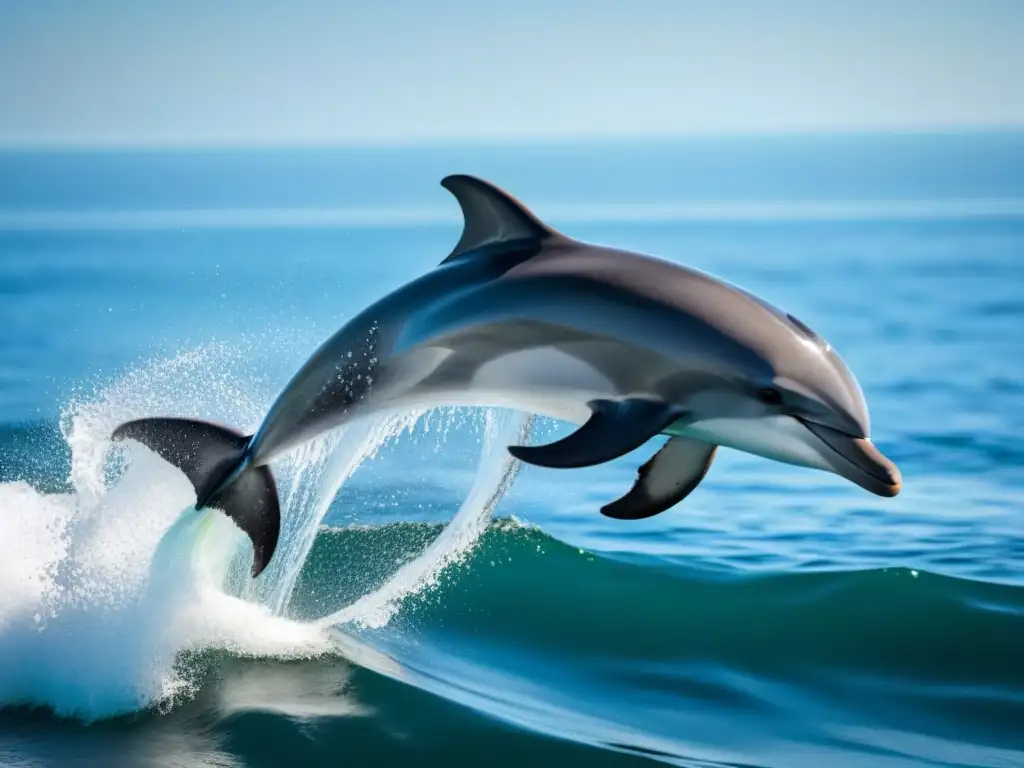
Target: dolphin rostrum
x=521 y=316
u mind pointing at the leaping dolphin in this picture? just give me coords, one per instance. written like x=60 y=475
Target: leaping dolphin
x=521 y=316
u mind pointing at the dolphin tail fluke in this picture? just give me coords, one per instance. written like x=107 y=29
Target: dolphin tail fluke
x=215 y=460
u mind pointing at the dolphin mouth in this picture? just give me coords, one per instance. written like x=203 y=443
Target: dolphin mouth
x=858 y=460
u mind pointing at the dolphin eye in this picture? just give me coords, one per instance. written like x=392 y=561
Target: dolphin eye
x=770 y=396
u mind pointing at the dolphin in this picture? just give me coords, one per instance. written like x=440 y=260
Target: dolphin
x=519 y=315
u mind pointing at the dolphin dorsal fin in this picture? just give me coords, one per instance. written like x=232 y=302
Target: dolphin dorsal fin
x=490 y=215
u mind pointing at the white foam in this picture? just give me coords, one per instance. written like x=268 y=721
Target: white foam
x=105 y=587
x=101 y=595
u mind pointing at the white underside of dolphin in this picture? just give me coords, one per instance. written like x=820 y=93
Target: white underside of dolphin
x=520 y=316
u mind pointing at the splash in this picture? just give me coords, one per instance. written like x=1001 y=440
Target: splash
x=495 y=475
x=324 y=467
x=102 y=594
x=106 y=586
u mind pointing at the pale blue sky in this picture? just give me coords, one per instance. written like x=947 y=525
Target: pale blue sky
x=310 y=71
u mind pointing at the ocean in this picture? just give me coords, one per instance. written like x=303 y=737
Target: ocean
x=434 y=603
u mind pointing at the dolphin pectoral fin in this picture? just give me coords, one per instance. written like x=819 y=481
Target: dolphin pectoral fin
x=665 y=480
x=491 y=216
x=613 y=429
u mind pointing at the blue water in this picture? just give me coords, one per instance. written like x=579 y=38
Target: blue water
x=777 y=617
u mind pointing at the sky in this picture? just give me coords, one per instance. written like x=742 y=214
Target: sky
x=228 y=72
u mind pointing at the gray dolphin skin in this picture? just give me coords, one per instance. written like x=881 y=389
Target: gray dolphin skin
x=521 y=316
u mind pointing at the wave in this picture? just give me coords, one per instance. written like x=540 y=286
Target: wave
x=886 y=667
x=521 y=587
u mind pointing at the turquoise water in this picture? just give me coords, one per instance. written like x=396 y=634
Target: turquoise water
x=778 y=617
